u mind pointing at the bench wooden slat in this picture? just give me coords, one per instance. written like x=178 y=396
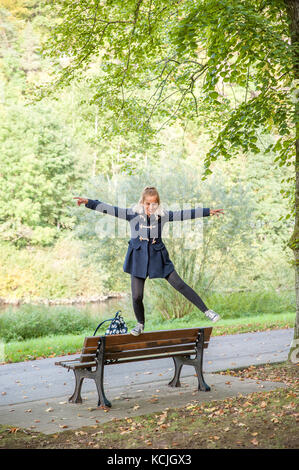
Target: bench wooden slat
x=190 y=333
x=150 y=351
x=158 y=356
x=147 y=344
x=91 y=341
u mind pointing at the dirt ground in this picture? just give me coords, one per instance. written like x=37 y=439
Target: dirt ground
x=265 y=420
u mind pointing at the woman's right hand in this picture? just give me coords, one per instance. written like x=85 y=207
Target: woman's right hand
x=81 y=200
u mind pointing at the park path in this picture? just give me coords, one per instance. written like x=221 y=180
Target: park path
x=40 y=379
x=39 y=385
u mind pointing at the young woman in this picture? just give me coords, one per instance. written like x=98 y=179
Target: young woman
x=147 y=255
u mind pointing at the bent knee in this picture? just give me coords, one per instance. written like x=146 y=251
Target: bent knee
x=137 y=298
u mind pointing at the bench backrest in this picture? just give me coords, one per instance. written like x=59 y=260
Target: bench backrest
x=149 y=345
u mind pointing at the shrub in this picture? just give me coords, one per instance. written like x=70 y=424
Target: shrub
x=32 y=321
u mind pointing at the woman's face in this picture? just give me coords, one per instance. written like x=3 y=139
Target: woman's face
x=150 y=204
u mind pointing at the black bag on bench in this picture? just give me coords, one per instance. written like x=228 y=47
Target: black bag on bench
x=117 y=326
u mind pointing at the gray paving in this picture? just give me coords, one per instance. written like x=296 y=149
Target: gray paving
x=35 y=393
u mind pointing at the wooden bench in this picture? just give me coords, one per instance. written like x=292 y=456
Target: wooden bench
x=100 y=351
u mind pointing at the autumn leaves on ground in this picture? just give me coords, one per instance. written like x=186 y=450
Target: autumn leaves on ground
x=258 y=420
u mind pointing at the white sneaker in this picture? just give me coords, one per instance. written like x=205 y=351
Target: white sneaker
x=212 y=315
x=137 y=330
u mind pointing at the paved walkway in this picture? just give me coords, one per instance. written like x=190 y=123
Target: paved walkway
x=34 y=394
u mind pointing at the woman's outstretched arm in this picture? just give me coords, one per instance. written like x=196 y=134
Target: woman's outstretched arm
x=186 y=214
x=104 y=207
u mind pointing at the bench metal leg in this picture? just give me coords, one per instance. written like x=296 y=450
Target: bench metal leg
x=99 y=376
x=180 y=361
x=202 y=385
x=76 y=397
x=103 y=401
x=178 y=364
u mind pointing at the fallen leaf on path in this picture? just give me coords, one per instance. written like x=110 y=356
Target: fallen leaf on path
x=13 y=430
x=104 y=408
x=209 y=410
x=254 y=442
x=274 y=420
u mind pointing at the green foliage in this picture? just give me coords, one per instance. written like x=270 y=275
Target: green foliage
x=37 y=164
x=38 y=171
x=33 y=322
x=54 y=272
x=186 y=57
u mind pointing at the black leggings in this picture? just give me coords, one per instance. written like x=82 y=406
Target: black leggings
x=137 y=286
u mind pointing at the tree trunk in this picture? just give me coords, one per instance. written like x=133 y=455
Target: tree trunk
x=292 y=8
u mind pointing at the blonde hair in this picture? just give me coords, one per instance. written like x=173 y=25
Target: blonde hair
x=149 y=191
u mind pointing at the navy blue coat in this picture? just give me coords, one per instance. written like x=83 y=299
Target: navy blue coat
x=147 y=255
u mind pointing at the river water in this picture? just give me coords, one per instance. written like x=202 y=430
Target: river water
x=102 y=309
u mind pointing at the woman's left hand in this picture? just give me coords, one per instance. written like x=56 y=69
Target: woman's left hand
x=216 y=212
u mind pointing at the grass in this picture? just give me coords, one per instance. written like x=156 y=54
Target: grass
x=37 y=331
x=260 y=420
x=161 y=299
x=31 y=321
x=57 y=345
